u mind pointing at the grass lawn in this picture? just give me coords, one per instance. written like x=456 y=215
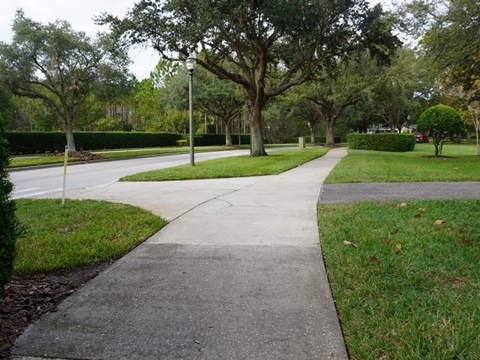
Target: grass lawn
x=38 y=160
x=78 y=233
x=239 y=166
x=409 y=288
x=460 y=164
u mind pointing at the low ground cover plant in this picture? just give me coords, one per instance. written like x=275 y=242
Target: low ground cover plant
x=405 y=277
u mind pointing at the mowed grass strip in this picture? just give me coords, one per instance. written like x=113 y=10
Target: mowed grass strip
x=459 y=164
x=239 y=166
x=405 y=277
x=147 y=152
x=78 y=233
x=39 y=160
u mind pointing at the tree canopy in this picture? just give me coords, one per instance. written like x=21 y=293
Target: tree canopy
x=60 y=66
x=439 y=121
x=266 y=51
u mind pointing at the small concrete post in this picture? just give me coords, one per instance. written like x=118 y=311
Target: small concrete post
x=301 y=142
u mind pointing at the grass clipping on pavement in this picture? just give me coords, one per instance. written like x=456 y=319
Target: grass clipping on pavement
x=405 y=277
x=78 y=233
x=238 y=166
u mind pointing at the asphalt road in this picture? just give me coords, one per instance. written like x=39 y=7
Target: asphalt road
x=49 y=181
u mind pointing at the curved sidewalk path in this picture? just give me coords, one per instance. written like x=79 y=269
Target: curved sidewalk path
x=237 y=274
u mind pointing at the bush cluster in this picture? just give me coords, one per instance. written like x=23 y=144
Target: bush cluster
x=41 y=142
x=381 y=142
x=217 y=139
x=10 y=228
x=318 y=140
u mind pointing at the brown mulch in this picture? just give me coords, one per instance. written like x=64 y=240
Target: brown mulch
x=82 y=155
x=29 y=297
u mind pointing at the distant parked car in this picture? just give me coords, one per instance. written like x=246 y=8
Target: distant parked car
x=421 y=138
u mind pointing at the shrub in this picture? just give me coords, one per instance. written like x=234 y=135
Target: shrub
x=381 y=142
x=217 y=139
x=9 y=226
x=41 y=142
x=318 y=140
x=439 y=121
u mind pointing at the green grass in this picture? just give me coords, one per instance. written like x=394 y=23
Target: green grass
x=39 y=160
x=462 y=164
x=78 y=233
x=145 y=152
x=417 y=302
x=238 y=166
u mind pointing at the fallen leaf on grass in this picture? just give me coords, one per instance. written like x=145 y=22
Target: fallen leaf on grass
x=422 y=209
x=349 y=243
x=373 y=259
x=398 y=249
x=465 y=241
x=418 y=216
x=455 y=168
x=402 y=204
x=387 y=241
x=396 y=232
x=439 y=222
x=67 y=229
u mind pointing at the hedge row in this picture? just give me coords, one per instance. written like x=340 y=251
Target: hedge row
x=41 y=142
x=10 y=228
x=381 y=142
x=217 y=139
x=318 y=140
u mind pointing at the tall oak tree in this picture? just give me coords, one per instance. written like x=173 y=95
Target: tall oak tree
x=269 y=45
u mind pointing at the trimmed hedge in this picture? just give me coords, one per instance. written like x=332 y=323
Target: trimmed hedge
x=318 y=140
x=217 y=139
x=41 y=142
x=382 y=142
x=10 y=228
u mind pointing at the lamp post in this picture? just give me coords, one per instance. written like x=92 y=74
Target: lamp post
x=191 y=64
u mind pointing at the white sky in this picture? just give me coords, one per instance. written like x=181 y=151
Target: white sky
x=80 y=14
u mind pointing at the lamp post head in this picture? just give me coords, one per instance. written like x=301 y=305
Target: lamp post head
x=191 y=63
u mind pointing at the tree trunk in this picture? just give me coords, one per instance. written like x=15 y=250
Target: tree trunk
x=228 y=133
x=312 y=134
x=69 y=131
x=329 y=126
x=256 y=136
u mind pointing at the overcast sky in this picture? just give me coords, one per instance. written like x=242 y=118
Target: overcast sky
x=80 y=14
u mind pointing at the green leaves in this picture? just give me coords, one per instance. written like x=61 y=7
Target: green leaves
x=439 y=121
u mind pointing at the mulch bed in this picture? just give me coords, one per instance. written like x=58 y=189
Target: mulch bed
x=82 y=155
x=29 y=297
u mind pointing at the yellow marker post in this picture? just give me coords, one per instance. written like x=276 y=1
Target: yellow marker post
x=65 y=174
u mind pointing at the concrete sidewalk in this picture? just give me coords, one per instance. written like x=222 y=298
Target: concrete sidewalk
x=237 y=274
x=356 y=192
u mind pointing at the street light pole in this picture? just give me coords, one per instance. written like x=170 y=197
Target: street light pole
x=191 y=64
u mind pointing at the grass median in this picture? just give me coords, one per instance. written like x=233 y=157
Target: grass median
x=78 y=233
x=405 y=277
x=239 y=166
x=460 y=163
